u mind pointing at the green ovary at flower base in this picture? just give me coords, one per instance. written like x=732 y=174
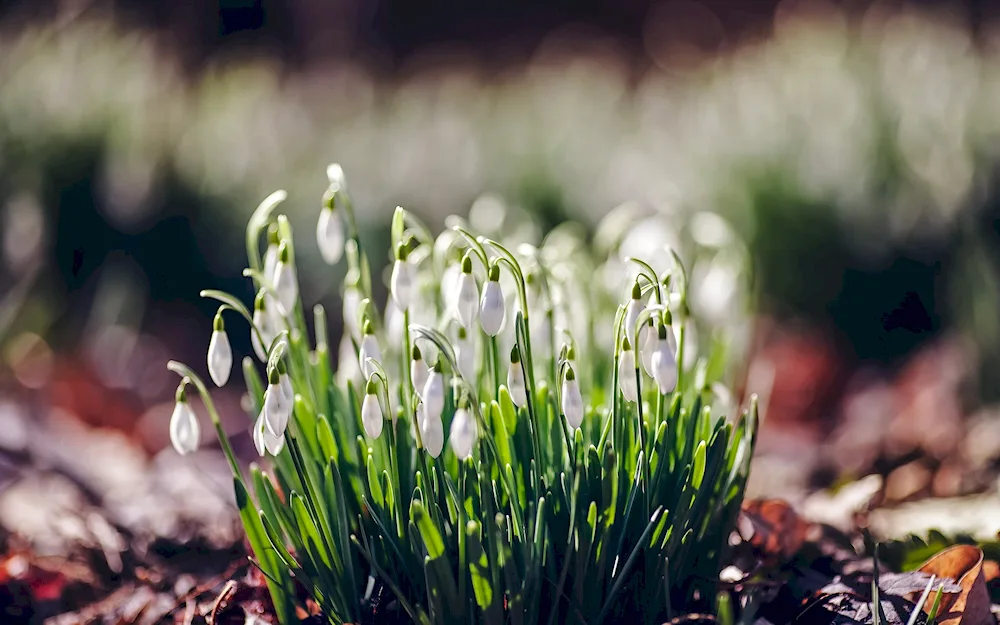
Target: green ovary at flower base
x=580 y=487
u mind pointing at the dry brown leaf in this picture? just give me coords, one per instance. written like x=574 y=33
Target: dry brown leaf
x=777 y=531
x=963 y=563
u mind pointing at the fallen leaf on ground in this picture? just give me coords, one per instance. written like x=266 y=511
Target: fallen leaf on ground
x=971 y=606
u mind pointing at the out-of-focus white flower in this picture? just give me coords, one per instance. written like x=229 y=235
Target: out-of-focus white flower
x=664 y=363
x=433 y=395
x=572 y=400
x=647 y=349
x=285 y=383
x=467 y=299
x=369 y=349
x=330 y=230
x=263 y=440
x=626 y=372
x=277 y=407
x=632 y=312
x=286 y=284
x=371 y=412
x=265 y=327
x=220 y=353
x=419 y=371
x=492 y=309
x=515 y=380
x=450 y=287
x=463 y=433
x=465 y=353
x=401 y=280
x=185 y=432
x=432 y=432
x=352 y=301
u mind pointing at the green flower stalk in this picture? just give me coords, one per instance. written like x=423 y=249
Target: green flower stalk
x=586 y=484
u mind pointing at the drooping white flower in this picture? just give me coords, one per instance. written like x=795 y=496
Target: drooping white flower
x=572 y=400
x=465 y=353
x=369 y=349
x=185 y=432
x=432 y=431
x=263 y=324
x=394 y=325
x=515 y=380
x=647 y=349
x=463 y=434
x=277 y=407
x=330 y=230
x=401 y=280
x=352 y=301
x=492 y=308
x=286 y=283
x=371 y=412
x=220 y=353
x=632 y=312
x=419 y=371
x=449 y=286
x=467 y=299
x=285 y=384
x=263 y=440
x=271 y=253
x=664 y=363
x=433 y=395
x=626 y=372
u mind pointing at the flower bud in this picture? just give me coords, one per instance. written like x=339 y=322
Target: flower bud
x=401 y=281
x=352 y=301
x=220 y=353
x=492 y=309
x=286 y=284
x=572 y=400
x=432 y=432
x=369 y=349
x=463 y=434
x=185 y=432
x=433 y=395
x=371 y=412
x=467 y=301
x=663 y=363
x=330 y=233
x=515 y=380
x=626 y=372
x=419 y=371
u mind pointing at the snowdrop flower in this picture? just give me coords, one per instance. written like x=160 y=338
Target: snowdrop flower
x=369 y=349
x=433 y=395
x=626 y=372
x=330 y=230
x=286 y=284
x=663 y=362
x=463 y=433
x=465 y=353
x=285 y=383
x=393 y=322
x=432 y=432
x=515 y=379
x=572 y=400
x=220 y=353
x=419 y=371
x=635 y=308
x=271 y=253
x=647 y=349
x=263 y=440
x=467 y=299
x=450 y=285
x=352 y=301
x=263 y=323
x=371 y=412
x=277 y=407
x=401 y=281
x=491 y=309
x=185 y=432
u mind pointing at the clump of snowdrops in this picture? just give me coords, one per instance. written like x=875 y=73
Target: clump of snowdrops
x=504 y=441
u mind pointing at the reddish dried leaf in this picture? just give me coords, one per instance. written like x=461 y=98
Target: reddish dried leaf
x=777 y=530
x=971 y=606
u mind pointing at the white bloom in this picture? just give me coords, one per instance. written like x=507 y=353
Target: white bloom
x=271 y=259
x=648 y=347
x=262 y=323
x=467 y=300
x=465 y=353
x=352 y=301
x=330 y=235
x=285 y=383
x=572 y=400
x=369 y=349
x=393 y=322
x=277 y=408
x=348 y=369
x=371 y=413
x=419 y=372
x=263 y=440
x=492 y=309
x=515 y=380
x=433 y=395
x=449 y=286
x=663 y=363
x=432 y=432
x=463 y=434
x=626 y=372
x=632 y=312
x=220 y=354
x=286 y=284
x=401 y=283
x=185 y=432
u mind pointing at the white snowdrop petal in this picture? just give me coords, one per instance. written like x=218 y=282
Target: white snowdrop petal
x=401 y=284
x=635 y=308
x=352 y=300
x=515 y=385
x=572 y=403
x=258 y=434
x=369 y=349
x=491 y=310
x=330 y=236
x=273 y=444
x=276 y=410
x=270 y=260
x=626 y=375
x=664 y=367
x=220 y=358
x=185 y=432
x=467 y=302
x=371 y=416
x=433 y=395
x=432 y=434
x=646 y=353
x=419 y=372
x=286 y=286
x=285 y=382
x=463 y=434
x=259 y=321
x=466 y=354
